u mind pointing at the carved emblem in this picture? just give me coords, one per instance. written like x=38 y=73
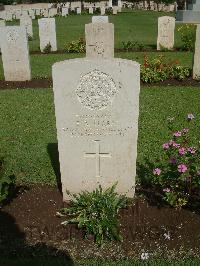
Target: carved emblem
x=96 y=90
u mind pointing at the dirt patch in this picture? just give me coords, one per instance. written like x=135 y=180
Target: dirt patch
x=34 y=83
x=29 y=226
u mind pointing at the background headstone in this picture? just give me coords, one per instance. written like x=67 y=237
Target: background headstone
x=26 y=21
x=97 y=108
x=166 y=27
x=196 y=67
x=115 y=9
x=47 y=33
x=2 y=24
x=103 y=11
x=78 y=10
x=99 y=40
x=65 y=11
x=15 y=54
x=52 y=12
x=90 y=10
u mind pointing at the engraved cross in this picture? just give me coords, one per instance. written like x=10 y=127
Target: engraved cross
x=97 y=155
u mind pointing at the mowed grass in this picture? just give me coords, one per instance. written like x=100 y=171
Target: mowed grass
x=41 y=65
x=140 y=26
x=28 y=131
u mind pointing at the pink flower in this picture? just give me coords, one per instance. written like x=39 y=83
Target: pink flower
x=192 y=150
x=185 y=130
x=182 y=168
x=172 y=160
x=190 y=116
x=182 y=151
x=166 y=190
x=176 y=145
x=165 y=146
x=157 y=171
x=198 y=172
x=177 y=134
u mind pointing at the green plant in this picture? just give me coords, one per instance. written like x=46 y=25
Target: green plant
x=178 y=174
x=30 y=38
x=47 y=48
x=188 y=36
x=160 y=69
x=109 y=11
x=96 y=212
x=131 y=45
x=97 y=11
x=76 y=46
x=6 y=182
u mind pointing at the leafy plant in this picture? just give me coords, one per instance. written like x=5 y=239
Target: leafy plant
x=131 y=45
x=6 y=182
x=76 y=46
x=47 y=48
x=179 y=173
x=97 y=11
x=188 y=36
x=159 y=69
x=96 y=212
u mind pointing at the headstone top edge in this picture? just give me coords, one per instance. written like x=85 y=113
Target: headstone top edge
x=94 y=61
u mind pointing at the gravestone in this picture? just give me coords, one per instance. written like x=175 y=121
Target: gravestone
x=2 y=24
x=37 y=12
x=9 y=16
x=15 y=54
x=166 y=26
x=65 y=11
x=18 y=14
x=78 y=11
x=100 y=19
x=90 y=10
x=26 y=21
x=99 y=40
x=115 y=9
x=103 y=11
x=52 y=12
x=45 y=13
x=32 y=13
x=196 y=67
x=47 y=33
x=97 y=107
x=110 y=3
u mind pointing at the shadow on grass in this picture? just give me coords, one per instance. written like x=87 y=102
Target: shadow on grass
x=14 y=250
x=52 y=149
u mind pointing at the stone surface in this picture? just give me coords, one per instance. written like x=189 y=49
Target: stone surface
x=97 y=107
x=2 y=24
x=65 y=11
x=99 y=40
x=115 y=9
x=103 y=10
x=26 y=21
x=90 y=10
x=47 y=33
x=196 y=67
x=15 y=54
x=78 y=10
x=100 y=19
x=166 y=26
x=52 y=12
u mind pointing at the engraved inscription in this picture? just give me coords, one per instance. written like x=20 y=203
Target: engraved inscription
x=96 y=90
x=97 y=155
x=12 y=36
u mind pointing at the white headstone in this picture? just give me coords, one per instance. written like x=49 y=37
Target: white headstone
x=99 y=40
x=9 y=16
x=166 y=26
x=26 y=21
x=32 y=13
x=103 y=10
x=2 y=24
x=78 y=10
x=15 y=54
x=196 y=67
x=110 y=3
x=47 y=33
x=37 y=12
x=65 y=11
x=97 y=108
x=45 y=13
x=90 y=10
x=18 y=14
x=115 y=9
x=52 y=12
x=100 y=19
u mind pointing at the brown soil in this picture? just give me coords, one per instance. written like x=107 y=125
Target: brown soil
x=34 y=83
x=47 y=83
x=29 y=226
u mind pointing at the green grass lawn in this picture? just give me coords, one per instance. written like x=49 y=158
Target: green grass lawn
x=41 y=65
x=140 y=26
x=28 y=131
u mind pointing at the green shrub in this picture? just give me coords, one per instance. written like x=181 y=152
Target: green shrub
x=76 y=46
x=97 y=11
x=6 y=183
x=47 y=48
x=96 y=212
x=131 y=45
x=159 y=69
x=109 y=11
x=188 y=36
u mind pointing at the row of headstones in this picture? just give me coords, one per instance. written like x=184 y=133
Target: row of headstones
x=151 y=5
x=52 y=12
x=99 y=43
